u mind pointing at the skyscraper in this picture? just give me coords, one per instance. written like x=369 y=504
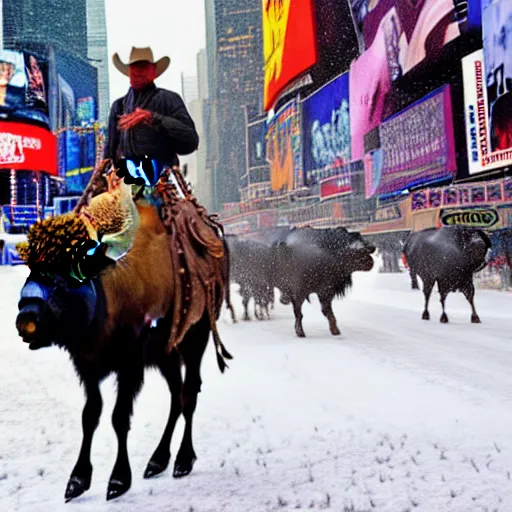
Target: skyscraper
x=74 y=27
x=98 y=52
x=189 y=88
x=235 y=68
x=60 y=23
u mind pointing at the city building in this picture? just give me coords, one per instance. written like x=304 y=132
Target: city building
x=59 y=23
x=189 y=88
x=98 y=53
x=235 y=83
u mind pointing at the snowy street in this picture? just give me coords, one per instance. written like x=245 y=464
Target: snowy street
x=395 y=415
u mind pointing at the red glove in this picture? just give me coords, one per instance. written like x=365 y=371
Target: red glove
x=140 y=116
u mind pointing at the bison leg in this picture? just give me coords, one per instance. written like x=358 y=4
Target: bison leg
x=170 y=368
x=129 y=382
x=444 y=294
x=469 y=293
x=326 y=304
x=297 y=311
x=80 y=479
x=246 y=297
x=192 y=354
x=428 y=286
x=414 y=281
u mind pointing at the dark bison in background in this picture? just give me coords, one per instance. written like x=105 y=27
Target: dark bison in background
x=321 y=261
x=250 y=265
x=449 y=257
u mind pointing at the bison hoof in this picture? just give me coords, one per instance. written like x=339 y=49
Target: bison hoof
x=426 y=315
x=117 y=488
x=475 y=319
x=76 y=487
x=335 y=331
x=300 y=333
x=444 y=318
x=183 y=467
x=154 y=467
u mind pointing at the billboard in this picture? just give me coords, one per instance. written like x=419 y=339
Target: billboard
x=497 y=47
x=418 y=144
x=283 y=147
x=488 y=132
x=415 y=30
x=289 y=44
x=77 y=157
x=370 y=83
x=22 y=87
x=256 y=143
x=27 y=147
x=326 y=130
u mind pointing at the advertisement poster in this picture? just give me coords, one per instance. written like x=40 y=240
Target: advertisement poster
x=283 y=147
x=370 y=83
x=13 y=81
x=27 y=147
x=497 y=47
x=481 y=155
x=418 y=144
x=256 y=143
x=85 y=111
x=414 y=30
x=326 y=130
x=289 y=44
x=36 y=90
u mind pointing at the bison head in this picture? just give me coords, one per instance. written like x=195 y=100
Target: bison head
x=58 y=300
x=355 y=252
x=477 y=246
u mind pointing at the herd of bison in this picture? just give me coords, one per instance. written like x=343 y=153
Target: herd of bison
x=103 y=322
x=304 y=261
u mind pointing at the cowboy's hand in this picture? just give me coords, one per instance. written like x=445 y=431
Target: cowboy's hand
x=139 y=116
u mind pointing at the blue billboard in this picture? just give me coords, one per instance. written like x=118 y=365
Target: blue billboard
x=256 y=132
x=77 y=154
x=326 y=130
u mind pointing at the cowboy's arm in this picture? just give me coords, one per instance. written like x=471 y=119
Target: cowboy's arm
x=112 y=136
x=177 y=125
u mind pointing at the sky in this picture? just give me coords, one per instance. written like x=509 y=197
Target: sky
x=169 y=27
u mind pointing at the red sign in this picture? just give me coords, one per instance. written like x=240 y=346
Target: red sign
x=335 y=186
x=289 y=44
x=27 y=147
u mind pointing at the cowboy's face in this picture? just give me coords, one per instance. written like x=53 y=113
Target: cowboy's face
x=142 y=68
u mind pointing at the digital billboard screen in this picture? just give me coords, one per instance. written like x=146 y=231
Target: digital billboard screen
x=283 y=148
x=27 y=147
x=289 y=44
x=326 y=130
x=417 y=145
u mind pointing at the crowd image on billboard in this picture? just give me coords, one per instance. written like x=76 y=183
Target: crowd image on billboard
x=326 y=130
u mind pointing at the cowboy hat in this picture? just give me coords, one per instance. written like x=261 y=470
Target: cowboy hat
x=138 y=55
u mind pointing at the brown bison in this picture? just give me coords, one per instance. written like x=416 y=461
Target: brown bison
x=107 y=324
x=449 y=257
x=321 y=261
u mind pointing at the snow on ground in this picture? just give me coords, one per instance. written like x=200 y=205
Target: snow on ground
x=395 y=415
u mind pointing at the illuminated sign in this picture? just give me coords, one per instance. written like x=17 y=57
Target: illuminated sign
x=289 y=44
x=471 y=217
x=27 y=147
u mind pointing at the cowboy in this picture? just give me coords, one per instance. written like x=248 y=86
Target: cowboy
x=149 y=127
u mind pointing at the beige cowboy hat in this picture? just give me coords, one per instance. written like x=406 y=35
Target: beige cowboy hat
x=138 y=55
